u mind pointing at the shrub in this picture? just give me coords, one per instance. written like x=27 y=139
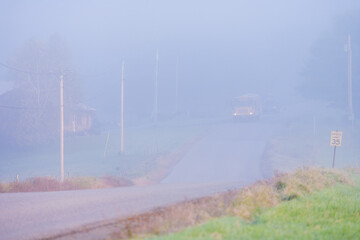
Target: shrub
x=46 y=184
x=253 y=199
x=2 y=188
x=307 y=180
x=38 y=184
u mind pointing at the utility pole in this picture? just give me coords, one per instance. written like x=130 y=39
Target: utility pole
x=350 y=103
x=156 y=87
x=122 y=107
x=62 y=127
x=106 y=143
x=177 y=87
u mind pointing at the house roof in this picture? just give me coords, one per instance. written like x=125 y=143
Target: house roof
x=83 y=107
x=5 y=86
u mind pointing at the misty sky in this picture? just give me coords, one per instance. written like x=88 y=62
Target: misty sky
x=224 y=48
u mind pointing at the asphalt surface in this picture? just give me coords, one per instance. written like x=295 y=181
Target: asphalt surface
x=228 y=157
x=230 y=152
x=42 y=215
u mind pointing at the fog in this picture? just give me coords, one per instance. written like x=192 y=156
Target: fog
x=212 y=50
x=222 y=49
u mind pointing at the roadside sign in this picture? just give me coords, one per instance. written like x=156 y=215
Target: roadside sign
x=335 y=139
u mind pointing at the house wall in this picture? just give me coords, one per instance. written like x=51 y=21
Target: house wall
x=78 y=122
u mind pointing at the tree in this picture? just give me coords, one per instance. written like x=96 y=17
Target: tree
x=325 y=74
x=31 y=113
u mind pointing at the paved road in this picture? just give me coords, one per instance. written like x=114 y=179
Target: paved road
x=228 y=157
x=37 y=215
x=230 y=152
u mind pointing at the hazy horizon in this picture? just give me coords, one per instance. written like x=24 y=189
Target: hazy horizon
x=222 y=49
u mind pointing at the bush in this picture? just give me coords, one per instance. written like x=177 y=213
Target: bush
x=253 y=199
x=2 y=188
x=38 y=184
x=46 y=184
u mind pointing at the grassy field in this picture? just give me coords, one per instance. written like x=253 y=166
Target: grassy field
x=332 y=213
x=145 y=148
x=300 y=144
x=94 y=161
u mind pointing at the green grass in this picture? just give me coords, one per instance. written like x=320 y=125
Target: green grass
x=246 y=205
x=333 y=213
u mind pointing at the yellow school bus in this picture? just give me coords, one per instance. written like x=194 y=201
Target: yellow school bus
x=247 y=106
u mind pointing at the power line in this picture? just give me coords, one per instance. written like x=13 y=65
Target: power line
x=52 y=90
x=12 y=107
x=54 y=73
x=25 y=71
x=70 y=107
x=26 y=108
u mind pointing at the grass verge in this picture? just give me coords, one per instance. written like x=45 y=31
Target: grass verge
x=298 y=144
x=244 y=205
x=149 y=151
x=333 y=213
x=47 y=184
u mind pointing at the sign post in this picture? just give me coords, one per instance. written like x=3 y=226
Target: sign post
x=335 y=141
